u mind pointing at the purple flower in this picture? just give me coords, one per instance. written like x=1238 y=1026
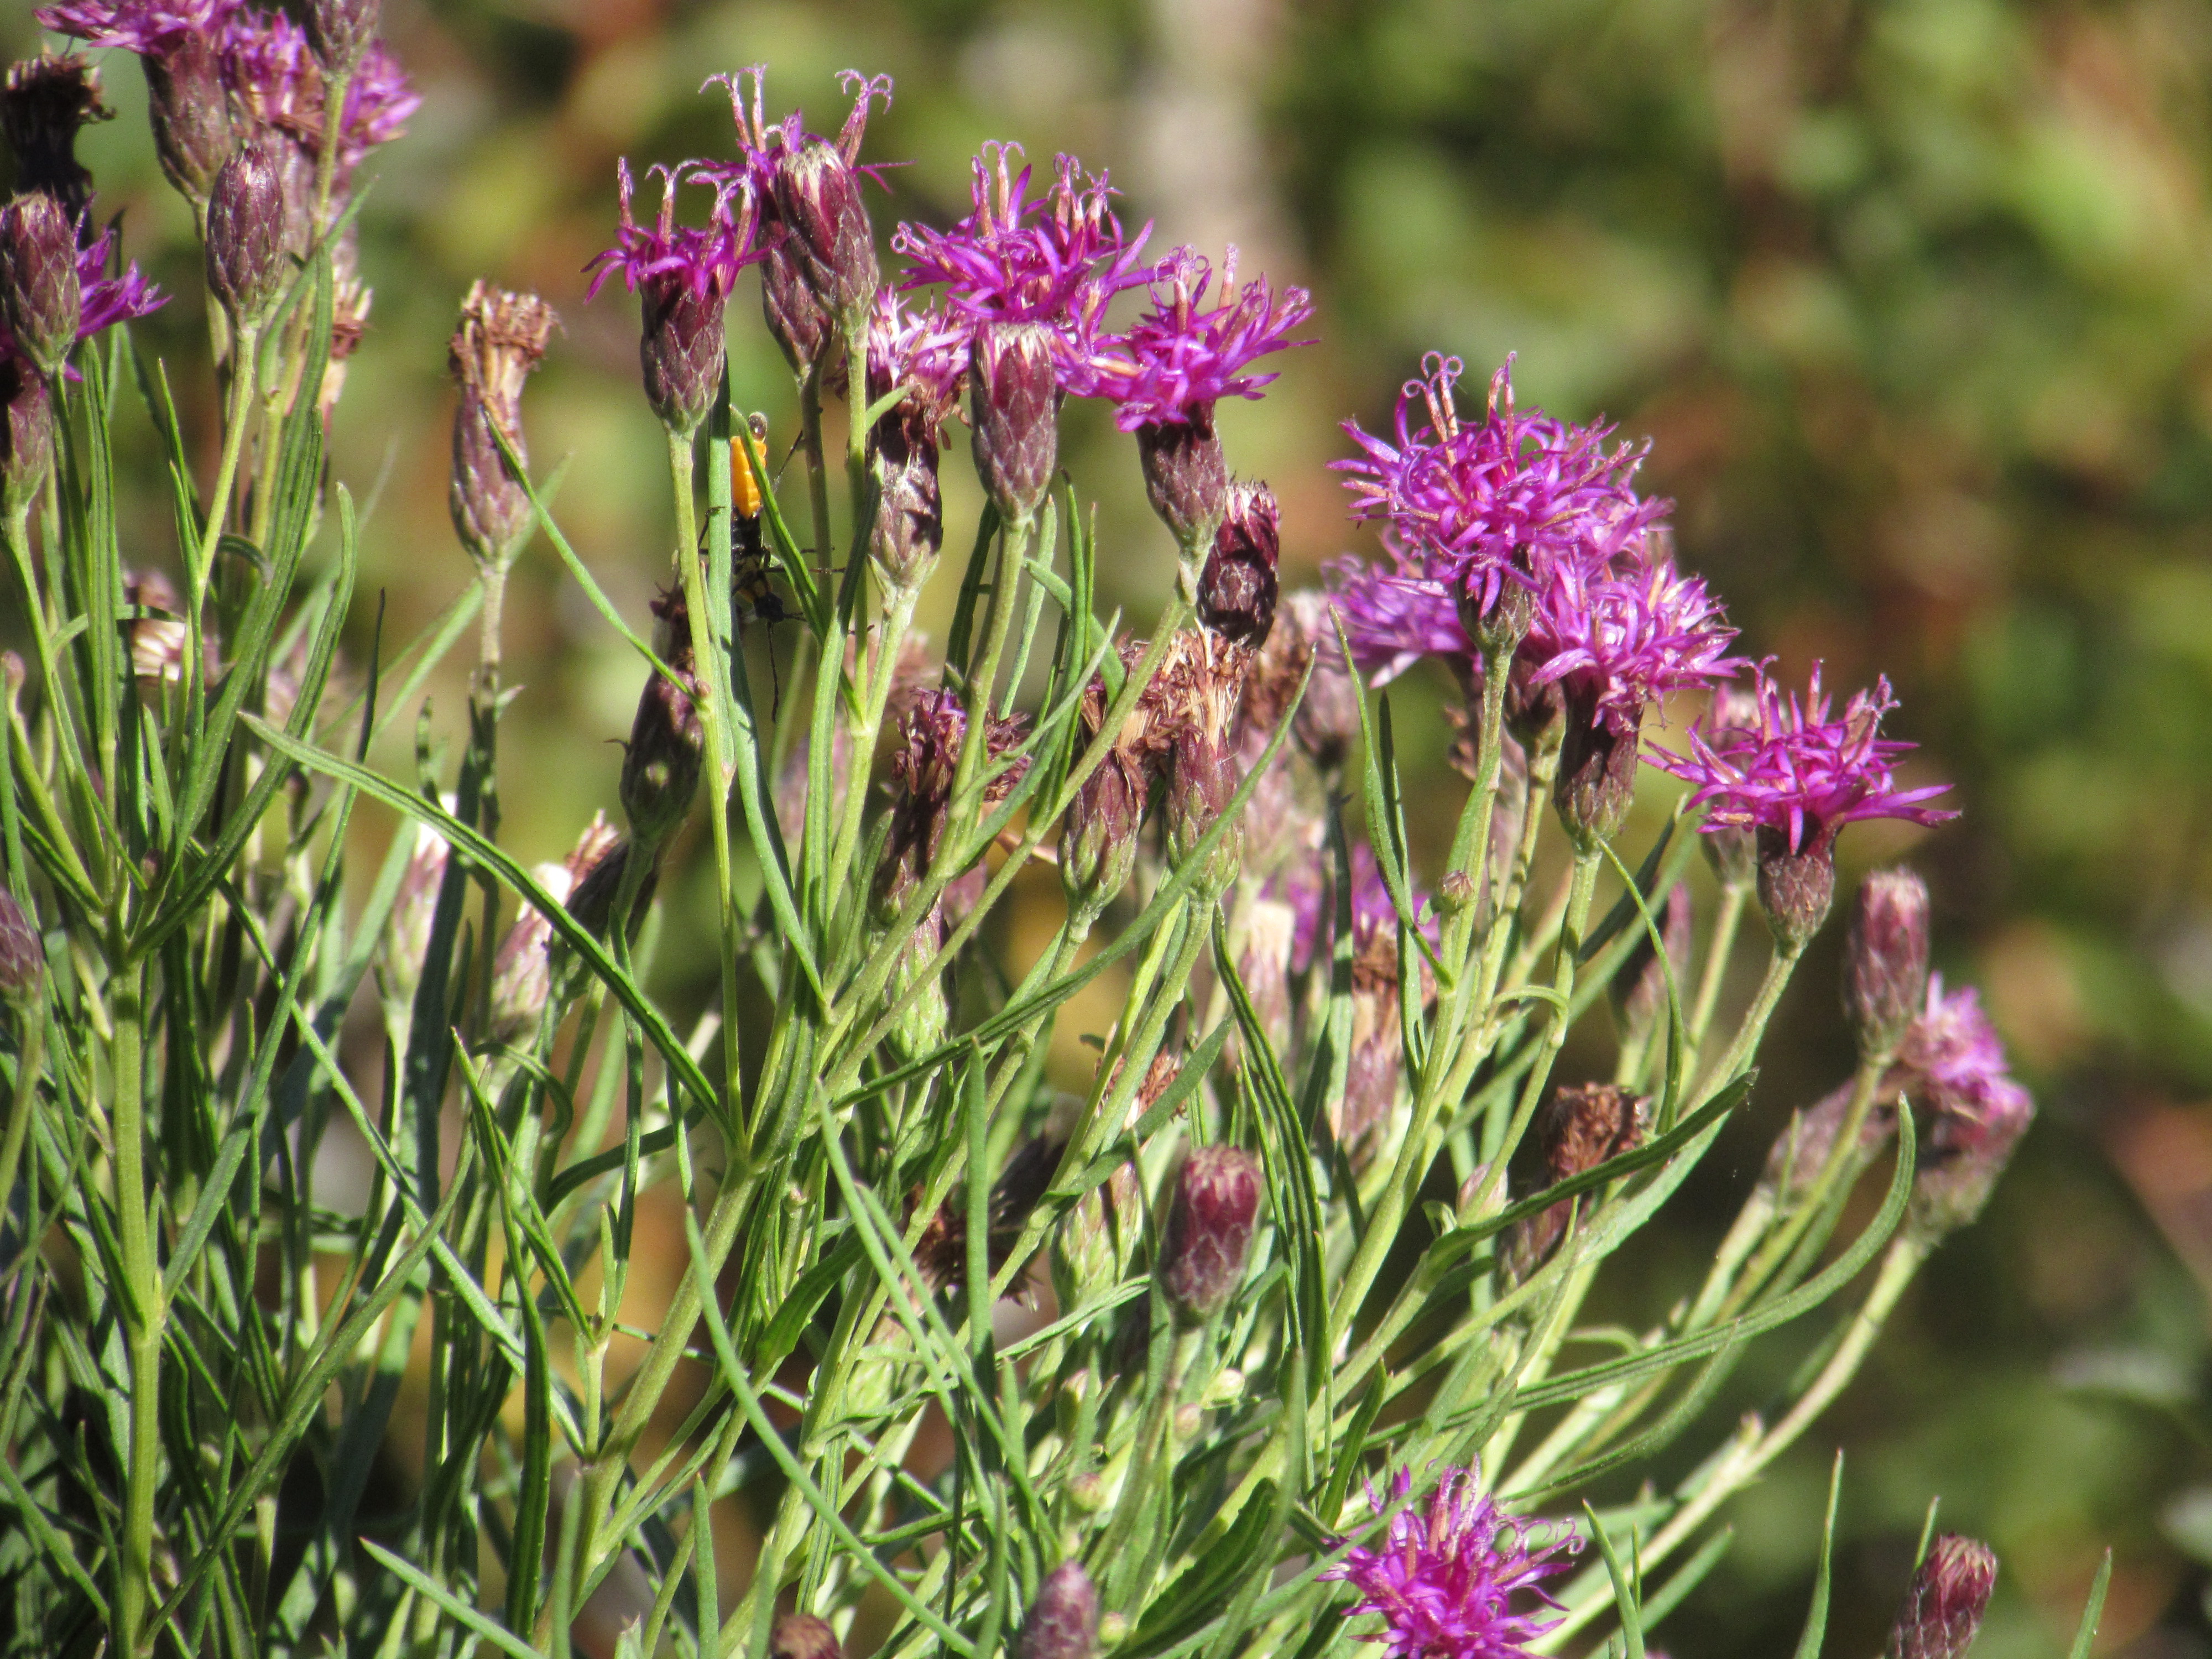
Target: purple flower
x=1801 y=772
x=1953 y=1063
x=106 y=300
x=1618 y=642
x=1058 y=259
x=1952 y=1055
x=924 y=351
x=1183 y=355
x=1446 y=1579
x=1395 y=619
x=1304 y=885
x=1496 y=501
x=148 y=28
x=271 y=70
x=684 y=275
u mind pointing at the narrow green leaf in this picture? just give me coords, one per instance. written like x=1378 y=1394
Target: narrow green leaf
x=1816 y=1616
x=1624 y=1592
x=2085 y=1634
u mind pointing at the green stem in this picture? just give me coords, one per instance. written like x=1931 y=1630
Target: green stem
x=242 y=380
x=23 y=1101
x=142 y=1307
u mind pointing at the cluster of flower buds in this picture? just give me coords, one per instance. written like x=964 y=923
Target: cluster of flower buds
x=501 y=338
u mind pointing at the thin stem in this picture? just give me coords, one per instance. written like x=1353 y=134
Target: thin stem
x=142 y=1306
x=243 y=376
x=1733 y=895
x=1752 y=1028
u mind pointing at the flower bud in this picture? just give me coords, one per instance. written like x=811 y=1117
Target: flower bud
x=1237 y=589
x=1063 y=1620
x=1200 y=785
x=795 y=317
x=46 y=100
x=802 y=1636
x=1013 y=397
x=245 y=235
x=502 y=337
x=661 y=762
x=22 y=953
x=1886 y=959
x=1942 y=1610
x=341 y=30
x=909 y=528
x=41 y=300
x=818 y=196
x=1639 y=989
x=407 y=930
x=27 y=433
x=189 y=110
x=1795 y=889
x=1596 y=779
x=1186 y=479
x=1209 y=1230
x=1098 y=834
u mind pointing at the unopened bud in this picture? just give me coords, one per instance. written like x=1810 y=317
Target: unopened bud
x=1186 y=480
x=1063 y=1620
x=407 y=930
x=818 y=196
x=1942 y=1610
x=1596 y=780
x=909 y=528
x=245 y=235
x=1209 y=1230
x=22 y=953
x=1886 y=959
x=681 y=350
x=27 y=433
x=46 y=100
x=592 y=902
x=341 y=30
x=1237 y=590
x=802 y=1636
x=795 y=317
x=1098 y=834
x=1012 y=394
x=1796 y=888
x=1201 y=787
x=501 y=338
x=41 y=300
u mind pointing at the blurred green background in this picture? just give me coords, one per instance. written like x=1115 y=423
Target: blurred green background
x=1915 y=300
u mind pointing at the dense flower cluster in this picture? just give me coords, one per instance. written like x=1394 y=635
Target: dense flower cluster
x=1447 y=1578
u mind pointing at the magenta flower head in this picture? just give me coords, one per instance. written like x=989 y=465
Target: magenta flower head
x=179 y=41
x=1031 y=279
x=1448 y=1579
x=1167 y=372
x=1796 y=777
x=1953 y=1064
x=924 y=354
x=682 y=275
x=1487 y=507
x=1614 y=643
x=1395 y=619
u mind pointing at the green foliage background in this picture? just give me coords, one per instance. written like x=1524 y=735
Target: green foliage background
x=1915 y=300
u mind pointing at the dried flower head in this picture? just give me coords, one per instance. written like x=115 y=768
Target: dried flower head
x=921 y=353
x=930 y=735
x=45 y=102
x=802 y=1636
x=502 y=336
x=1447 y=1581
x=1942 y=1609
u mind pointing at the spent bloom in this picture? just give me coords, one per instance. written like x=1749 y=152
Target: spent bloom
x=1448 y=1576
x=44 y=103
x=1488 y=504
